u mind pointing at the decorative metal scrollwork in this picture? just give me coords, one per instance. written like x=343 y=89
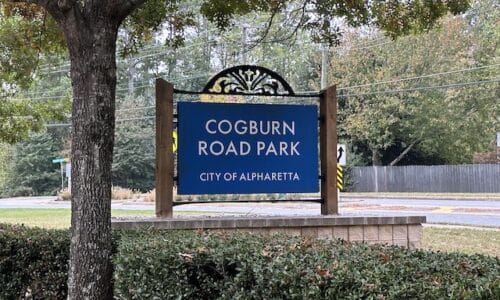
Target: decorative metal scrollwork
x=248 y=80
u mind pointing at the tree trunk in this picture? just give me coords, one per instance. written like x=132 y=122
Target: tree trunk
x=376 y=157
x=91 y=29
x=92 y=45
x=402 y=154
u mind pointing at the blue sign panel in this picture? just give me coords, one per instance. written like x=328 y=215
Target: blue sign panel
x=247 y=148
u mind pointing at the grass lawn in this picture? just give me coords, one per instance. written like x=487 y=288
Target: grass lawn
x=54 y=217
x=462 y=240
x=61 y=217
x=443 y=239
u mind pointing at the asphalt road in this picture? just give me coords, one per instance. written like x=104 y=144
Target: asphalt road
x=466 y=212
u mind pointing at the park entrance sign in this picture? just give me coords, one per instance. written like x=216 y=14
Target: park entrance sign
x=247 y=148
x=243 y=148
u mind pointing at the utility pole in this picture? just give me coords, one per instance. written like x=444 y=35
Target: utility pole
x=243 y=44
x=324 y=66
x=208 y=48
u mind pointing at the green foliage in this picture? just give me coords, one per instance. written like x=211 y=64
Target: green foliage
x=26 y=31
x=223 y=12
x=33 y=263
x=210 y=266
x=403 y=17
x=32 y=171
x=20 y=117
x=151 y=17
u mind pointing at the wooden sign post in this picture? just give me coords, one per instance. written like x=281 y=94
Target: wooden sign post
x=328 y=151
x=164 y=172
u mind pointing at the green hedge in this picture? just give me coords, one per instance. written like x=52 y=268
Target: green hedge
x=148 y=265
x=33 y=263
x=201 y=266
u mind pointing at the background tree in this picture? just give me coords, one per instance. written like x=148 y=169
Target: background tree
x=134 y=159
x=90 y=30
x=32 y=167
x=389 y=102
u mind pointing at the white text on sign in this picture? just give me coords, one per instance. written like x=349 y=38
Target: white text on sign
x=249 y=176
x=243 y=148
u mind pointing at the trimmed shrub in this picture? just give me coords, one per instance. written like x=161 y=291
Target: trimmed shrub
x=33 y=263
x=189 y=265
x=209 y=266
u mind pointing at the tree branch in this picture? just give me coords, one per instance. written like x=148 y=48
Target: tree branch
x=266 y=31
x=122 y=8
x=57 y=8
x=397 y=159
x=262 y=39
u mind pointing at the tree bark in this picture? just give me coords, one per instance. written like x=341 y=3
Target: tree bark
x=92 y=45
x=376 y=157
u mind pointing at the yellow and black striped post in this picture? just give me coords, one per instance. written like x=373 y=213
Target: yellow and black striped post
x=340 y=177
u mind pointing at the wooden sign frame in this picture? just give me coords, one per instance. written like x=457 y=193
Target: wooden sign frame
x=164 y=173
